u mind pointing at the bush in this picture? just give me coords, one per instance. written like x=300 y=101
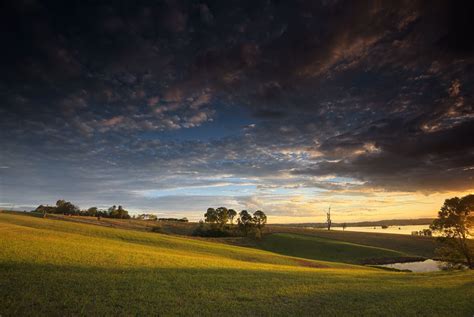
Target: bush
x=157 y=229
x=174 y=219
x=211 y=233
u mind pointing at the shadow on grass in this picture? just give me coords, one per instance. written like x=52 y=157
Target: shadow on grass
x=76 y=290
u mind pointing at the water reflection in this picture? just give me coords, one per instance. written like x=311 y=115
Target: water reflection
x=407 y=230
x=418 y=267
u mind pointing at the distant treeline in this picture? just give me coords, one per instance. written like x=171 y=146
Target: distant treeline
x=184 y=219
x=219 y=222
x=153 y=217
x=67 y=208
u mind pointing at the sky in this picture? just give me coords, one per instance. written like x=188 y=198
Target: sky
x=289 y=107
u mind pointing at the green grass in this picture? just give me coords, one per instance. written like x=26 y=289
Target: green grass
x=169 y=227
x=317 y=248
x=59 y=268
x=414 y=245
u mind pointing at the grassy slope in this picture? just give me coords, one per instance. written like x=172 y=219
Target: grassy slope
x=313 y=247
x=171 y=227
x=50 y=267
x=414 y=245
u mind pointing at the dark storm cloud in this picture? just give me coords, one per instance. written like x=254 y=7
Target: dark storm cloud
x=375 y=91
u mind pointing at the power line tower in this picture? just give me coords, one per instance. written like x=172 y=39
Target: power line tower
x=328 y=221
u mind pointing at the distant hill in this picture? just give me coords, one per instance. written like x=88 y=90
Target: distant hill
x=391 y=222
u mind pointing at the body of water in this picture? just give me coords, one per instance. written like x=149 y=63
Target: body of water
x=418 y=267
x=391 y=229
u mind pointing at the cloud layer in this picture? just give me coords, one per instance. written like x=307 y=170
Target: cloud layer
x=274 y=104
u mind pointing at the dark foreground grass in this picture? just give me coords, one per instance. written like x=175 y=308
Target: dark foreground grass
x=58 y=268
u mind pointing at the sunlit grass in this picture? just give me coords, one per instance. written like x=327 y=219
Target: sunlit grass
x=50 y=267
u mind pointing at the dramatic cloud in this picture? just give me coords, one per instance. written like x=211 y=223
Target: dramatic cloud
x=274 y=104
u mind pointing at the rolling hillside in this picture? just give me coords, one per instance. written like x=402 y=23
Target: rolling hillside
x=313 y=247
x=52 y=267
x=413 y=245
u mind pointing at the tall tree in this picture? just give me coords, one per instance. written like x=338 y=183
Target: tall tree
x=92 y=211
x=245 y=222
x=210 y=216
x=66 y=207
x=112 y=211
x=41 y=209
x=45 y=210
x=122 y=213
x=260 y=219
x=328 y=220
x=232 y=213
x=222 y=216
x=455 y=223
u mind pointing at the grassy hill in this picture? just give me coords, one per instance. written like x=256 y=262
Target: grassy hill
x=413 y=245
x=51 y=267
x=313 y=247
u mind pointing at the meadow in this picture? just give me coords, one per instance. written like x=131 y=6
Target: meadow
x=62 y=268
x=317 y=248
x=412 y=245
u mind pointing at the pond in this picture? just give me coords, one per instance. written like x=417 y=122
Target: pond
x=418 y=267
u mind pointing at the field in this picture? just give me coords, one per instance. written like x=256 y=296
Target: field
x=171 y=227
x=412 y=245
x=54 y=267
x=317 y=248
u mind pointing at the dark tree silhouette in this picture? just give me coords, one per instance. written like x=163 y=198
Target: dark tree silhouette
x=455 y=222
x=122 y=213
x=92 y=211
x=112 y=211
x=260 y=219
x=245 y=222
x=210 y=216
x=45 y=210
x=232 y=213
x=66 y=207
x=222 y=216
x=117 y=212
x=329 y=221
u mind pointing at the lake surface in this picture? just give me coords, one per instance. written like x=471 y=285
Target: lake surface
x=417 y=267
x=391 y=229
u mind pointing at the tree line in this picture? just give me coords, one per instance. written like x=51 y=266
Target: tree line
x=221 y=223
x=184 y=219
x=152 y=217
x=67 y=208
